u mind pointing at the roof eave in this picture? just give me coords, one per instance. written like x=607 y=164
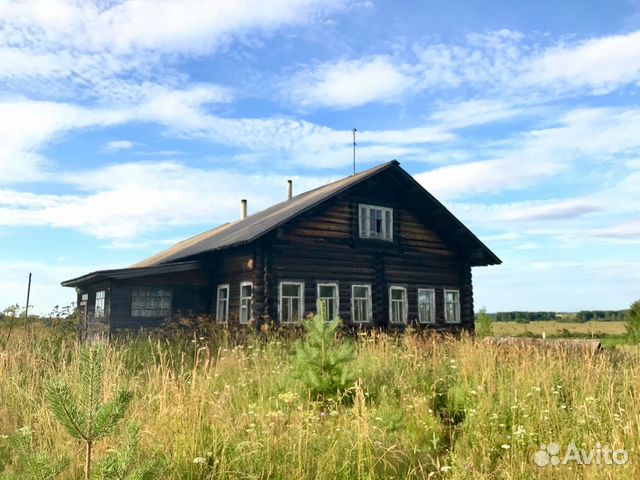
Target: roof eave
x=123 y=273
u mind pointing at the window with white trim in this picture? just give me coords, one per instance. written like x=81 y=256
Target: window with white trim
x=99 y=308
x=150 y=303
x=328 y=295
x=397 y=304
x=452 y=306
x=291 y=302
x=222 y=303
x=426 y=305
x=360 y=303
x=376 y=222
x=246 y=302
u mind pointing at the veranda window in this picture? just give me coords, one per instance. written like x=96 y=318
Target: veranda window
x=151 y=303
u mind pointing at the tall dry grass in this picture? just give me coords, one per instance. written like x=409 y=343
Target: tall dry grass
x=422 y=407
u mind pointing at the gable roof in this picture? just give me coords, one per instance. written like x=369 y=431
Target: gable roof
x=241 y=232
x=244 y=231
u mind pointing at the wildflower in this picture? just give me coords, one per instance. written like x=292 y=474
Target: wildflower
x=288 y=397
x=506 y=446
x=445 y=468
x=200 y=460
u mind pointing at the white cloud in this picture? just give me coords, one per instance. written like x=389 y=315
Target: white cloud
x=115 y=145
x=129 y=200
x=626 y=230
x=487 y=176
x=478 y=112
x=92 y=49
x=522 y=70
x=349 y=83
x=557 y=285
x=600 y=64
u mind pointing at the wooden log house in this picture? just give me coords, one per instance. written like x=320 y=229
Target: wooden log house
x=376 y=247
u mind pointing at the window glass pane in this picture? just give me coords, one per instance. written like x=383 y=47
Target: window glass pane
x=363 y=221
x=290 y=290
x=387 y=224
x=397 y=294
x=327 y=291
x=150 y=303
x=360 y=292
x=246 y=290
x=295 y=309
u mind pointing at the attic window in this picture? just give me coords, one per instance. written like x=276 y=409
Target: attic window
x=376 y=222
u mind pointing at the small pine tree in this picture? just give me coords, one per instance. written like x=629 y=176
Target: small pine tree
x=633 y=323
x=91 y=419
x=484 y=324
x=32 y=464
x=122 y=464
x=321 y=360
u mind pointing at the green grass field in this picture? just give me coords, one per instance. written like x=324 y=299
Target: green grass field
x=421 y=407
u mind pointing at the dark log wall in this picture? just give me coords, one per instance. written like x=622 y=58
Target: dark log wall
x=232 y=267
x=323 y=244
x=190 y=295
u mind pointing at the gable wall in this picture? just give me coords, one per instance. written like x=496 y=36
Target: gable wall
x=324 y=245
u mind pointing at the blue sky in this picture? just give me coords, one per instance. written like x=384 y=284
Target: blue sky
x=127 y=126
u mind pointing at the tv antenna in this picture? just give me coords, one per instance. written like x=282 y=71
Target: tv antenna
x=354 y=150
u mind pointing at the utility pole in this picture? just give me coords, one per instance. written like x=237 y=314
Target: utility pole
x=354 y=150
x=26 y=308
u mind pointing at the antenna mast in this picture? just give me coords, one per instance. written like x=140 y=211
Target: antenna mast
x=354 y=150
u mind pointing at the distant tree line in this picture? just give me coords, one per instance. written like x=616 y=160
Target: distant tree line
x=581 y=316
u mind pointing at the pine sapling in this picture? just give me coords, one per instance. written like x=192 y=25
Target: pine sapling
x=321 y=360
x=633 y=323
x=124 y=464
x=90 y=419
x=32 y=464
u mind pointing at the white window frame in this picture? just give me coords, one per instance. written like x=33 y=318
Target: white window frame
x=404 y=304
x=366 y=232
x=300 y=303
x=222 y=318
x=330 y=315
x=99 y=307
x=242 y=303
x=369 y=305
x=456 y=304
x=432 y=309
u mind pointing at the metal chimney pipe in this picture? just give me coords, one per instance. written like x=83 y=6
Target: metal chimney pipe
x=243 y=209
x=289 y=189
